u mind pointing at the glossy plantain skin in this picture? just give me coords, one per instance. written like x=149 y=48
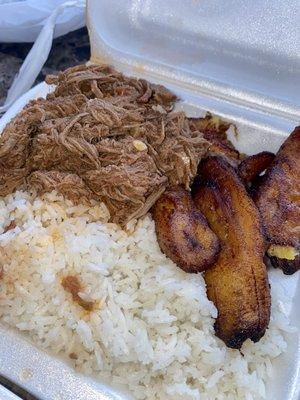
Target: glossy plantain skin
x=238 y=282
x=278 y=200
x=182 y=232
x=251 y=167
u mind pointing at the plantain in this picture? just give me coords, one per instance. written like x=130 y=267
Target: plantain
x=182 y=232
x=285 y=257
x=278 y=200
x=251 y=167
x=214 y=130
x=237 y=283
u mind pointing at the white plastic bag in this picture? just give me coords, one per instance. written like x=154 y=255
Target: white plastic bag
x=41 y=48
x=22 y=20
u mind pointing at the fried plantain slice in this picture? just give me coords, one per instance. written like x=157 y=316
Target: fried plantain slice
x=288 y=266
x=238 y=282
x=251 y=167
x=182 y=232
x=278 y=200
x=214 y=130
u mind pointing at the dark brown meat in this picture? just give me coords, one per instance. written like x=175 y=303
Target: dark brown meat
x=12 y=225
x=102 y=81
x=11 y=179
x=183 y=233
x=101 y=135
x=137 y=185
x=70 y=185
x=237 y=283
x=72 y=284
x=278 y=200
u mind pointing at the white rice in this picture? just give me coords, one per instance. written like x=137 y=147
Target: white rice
x=153 y=328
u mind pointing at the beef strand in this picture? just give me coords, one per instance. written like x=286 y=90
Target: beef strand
x=101 y=135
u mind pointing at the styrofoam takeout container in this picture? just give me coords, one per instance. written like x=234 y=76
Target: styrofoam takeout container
x=236 y=58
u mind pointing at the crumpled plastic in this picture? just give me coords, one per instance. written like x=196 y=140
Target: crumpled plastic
x=51 y=18
x=22 y=20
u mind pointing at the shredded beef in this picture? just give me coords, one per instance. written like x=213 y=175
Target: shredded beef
x=82 y=141
x=70 y=185
x=12 y=225
x=72 y=284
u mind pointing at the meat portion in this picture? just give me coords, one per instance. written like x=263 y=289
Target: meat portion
x=72 y=284
x=139 y=183
x=70 y=185
x=237 y=283
x=11 y=226
x=251 y=167
x=101 y=135
x=11 y=179
x=183 y=233
x=103 y=81
x=278 y=200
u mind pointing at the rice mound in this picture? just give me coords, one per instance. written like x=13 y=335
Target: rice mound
x=151 y=327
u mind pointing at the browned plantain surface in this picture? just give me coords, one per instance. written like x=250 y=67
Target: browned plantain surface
x=214 y=130
x=237 y=283
x=278 y=200
x=182 y=232
x=251 y=167
x=289 y=267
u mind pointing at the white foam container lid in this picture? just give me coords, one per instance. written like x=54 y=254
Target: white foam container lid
x=235 y=58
